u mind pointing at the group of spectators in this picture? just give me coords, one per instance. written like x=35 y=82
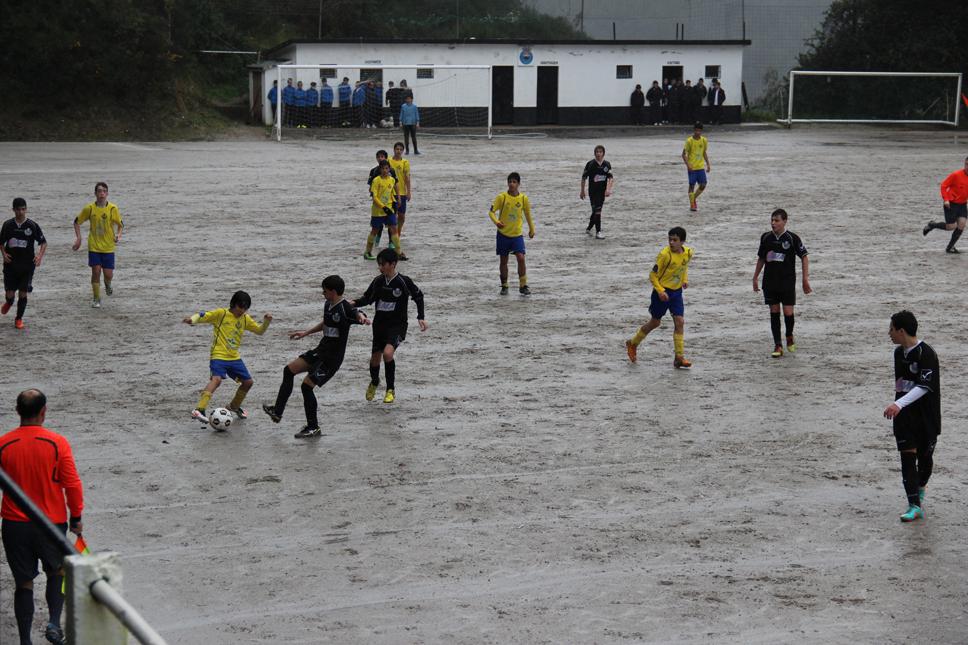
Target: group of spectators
x=677 y=102
x=364 y=105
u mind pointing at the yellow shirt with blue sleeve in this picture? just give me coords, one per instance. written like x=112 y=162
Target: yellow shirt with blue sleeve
x=103 y=219
x=227 y=335
x=695 y=150
x=671 y=270
x=511 y=210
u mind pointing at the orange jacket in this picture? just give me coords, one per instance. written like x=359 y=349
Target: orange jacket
x=42 y=464
x=955 y=187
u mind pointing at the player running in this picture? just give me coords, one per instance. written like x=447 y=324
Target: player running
x=694 y=155
x=778 y=251
x=321 y=363
x=383 y=193
x=954 y=193
x=390 y=291
x=916 y=410
x=104 y=234
x=669 y=276
x=400 y=169
x=598 y=173
x=506 y=213
x=17 y=239
x=225 y=361
x=381 y=155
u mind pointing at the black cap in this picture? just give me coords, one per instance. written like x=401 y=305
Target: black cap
x=19 y=202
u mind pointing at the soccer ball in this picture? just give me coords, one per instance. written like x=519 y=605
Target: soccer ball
x=220 y=419
x=385 y=123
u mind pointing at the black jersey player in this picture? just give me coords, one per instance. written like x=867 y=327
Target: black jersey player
x=598 y=174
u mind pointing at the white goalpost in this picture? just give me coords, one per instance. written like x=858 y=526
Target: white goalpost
x=817 y=96
x=451 y=97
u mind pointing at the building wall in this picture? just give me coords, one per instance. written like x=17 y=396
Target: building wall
x=586 y=73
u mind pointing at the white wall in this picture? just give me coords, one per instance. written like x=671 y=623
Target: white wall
x=586 y=72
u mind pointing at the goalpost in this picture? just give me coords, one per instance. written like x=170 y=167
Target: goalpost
x=818 y=96
x=447 y=96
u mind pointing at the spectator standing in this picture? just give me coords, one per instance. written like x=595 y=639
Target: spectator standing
x=666 y=90
x=371 y=107
x=394 y=101
x=41 y=462
x=654 y=97
x=717 y=96
x=359 y=99
x=300 y=105
x=637 y=102
x=325 y=105
x=405 y=91
x=410 y=120
x=344 y=91
x=688 y=102
x=288 y=103
x=273 y=97
x=701 y=91
x=378 y=114
x=312 y=105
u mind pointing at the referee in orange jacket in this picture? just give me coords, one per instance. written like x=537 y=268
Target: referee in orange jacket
x=40 y=461
x=954 y=196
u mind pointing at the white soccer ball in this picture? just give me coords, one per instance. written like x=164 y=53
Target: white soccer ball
x=220 y=419
x=386 y=123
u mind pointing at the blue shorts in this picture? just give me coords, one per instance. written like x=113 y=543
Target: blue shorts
x=674 y=305
x=402 y=204
x=384 y=220
x=507 y=245
x=103 y=260
x=697 y=177
x=234 y=370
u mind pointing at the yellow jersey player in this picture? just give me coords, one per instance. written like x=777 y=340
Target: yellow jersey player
x=508 y=213
x=103 y=236
x=697 y=163
x=669 y=276
x=225 y=361
x=401 y=168
x=383 y=191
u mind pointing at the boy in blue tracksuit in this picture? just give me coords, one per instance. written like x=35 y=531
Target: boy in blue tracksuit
x=273 y=97
x=359 y=98
x=288 y=102
x=410 y=120
x=312 y=105
x=325 y=104
x=345 y=91
x=300 y=105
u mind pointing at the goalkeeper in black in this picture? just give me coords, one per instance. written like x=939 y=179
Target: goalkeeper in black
x=390 y=292
x=916 y=410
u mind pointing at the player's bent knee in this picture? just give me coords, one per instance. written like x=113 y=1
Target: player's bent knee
x=246 y=384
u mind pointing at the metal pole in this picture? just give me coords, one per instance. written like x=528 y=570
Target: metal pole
x=958 y=102
x=581 y=17
x=458 y=19
x=30 y=509
x=790 y=99
x=128 y=616
x=278 y=103
x=319 y=30
x=490 y=100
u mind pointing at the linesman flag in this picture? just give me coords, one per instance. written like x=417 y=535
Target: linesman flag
x=965 y=99
x=81 y=547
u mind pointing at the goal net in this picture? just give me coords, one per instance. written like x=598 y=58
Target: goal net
x=450 y=99
x=874 y=97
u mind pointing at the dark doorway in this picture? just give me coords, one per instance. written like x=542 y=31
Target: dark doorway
x=547 y=95
x=672 y=72
x=502 y=94
x=255 y=110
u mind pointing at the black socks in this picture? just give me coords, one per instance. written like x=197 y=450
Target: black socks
x=391 y=368
x=375 y=374
x=775 y=327
x=909 y=475
x=23 y=609
x=310 y=405
x=284 y=390
x=21 y=306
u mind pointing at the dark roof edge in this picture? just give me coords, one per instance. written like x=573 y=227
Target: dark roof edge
x=494 y=41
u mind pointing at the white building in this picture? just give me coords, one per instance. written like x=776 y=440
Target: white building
x=532 y=83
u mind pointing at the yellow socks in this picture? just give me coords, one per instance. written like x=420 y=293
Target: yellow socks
x=203 y=400
x=369 y=243
x=698 y=192
x=523 y=280
x=639 y=337
x=679 y=342
x=396 y=243
x=236 y=401
x=96 y=289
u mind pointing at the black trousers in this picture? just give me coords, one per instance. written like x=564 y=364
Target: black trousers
x=410 y=131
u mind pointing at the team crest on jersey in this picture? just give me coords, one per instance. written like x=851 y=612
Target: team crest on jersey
x=336 y=318
x=397 y=293
x=27 y=231
x=785 y=245
x=913 y=367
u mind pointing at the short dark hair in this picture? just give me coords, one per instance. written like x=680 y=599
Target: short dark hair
x=384 y=163
x=679 y=232
x=600 y=147
x=335 y=283
x=30 y=403
x=782 y=214
x=387 y=256
x=382 y=153
x=100 y=184
x=698 y=126
x=19 y=202
x=398 y=144
x=515 y=176
x=905 y=320
x=241 y=299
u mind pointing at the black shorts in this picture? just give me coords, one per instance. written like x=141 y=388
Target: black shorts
x=321 y=367
x=908 y=436
x=391 y=336
x=25 y=544
x=954 y=212
x=783 y=294
x=597 y=200
x=17 y=277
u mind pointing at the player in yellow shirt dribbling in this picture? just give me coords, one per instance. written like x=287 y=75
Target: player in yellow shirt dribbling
x=101 y=239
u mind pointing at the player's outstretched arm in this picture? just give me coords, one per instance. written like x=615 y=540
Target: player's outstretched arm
x=296 y=335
